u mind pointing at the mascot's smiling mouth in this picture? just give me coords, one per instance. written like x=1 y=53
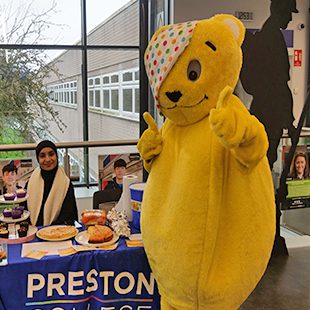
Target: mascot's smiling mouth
x=186 y=106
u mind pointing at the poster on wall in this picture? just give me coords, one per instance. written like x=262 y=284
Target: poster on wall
x=109 y=165
x=14 y=174
x=298 y=180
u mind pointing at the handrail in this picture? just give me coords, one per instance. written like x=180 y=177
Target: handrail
x=70 y=145
x=303 y=134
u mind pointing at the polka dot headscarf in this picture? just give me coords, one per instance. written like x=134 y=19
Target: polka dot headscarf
x=163 y=51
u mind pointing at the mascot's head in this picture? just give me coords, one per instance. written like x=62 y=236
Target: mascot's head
x=189 y=64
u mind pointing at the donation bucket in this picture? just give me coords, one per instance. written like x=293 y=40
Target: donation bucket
x=136 y=194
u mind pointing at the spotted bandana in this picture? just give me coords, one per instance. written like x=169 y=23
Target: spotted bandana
x=163 y=51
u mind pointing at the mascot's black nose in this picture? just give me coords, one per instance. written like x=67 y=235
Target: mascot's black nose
x=174 y=96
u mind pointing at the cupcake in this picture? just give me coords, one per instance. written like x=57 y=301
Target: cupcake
x=22 y=232
x=24 y=224
x=7 y=212
x=9 y=196
x=16 y=214
x=4 y=226
x=21 y=208
x=21 y=193
x=4 y=233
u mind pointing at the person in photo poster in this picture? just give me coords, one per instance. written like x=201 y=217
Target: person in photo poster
x=51 y=195
x=119 y=170
x=9 y=175
x=299 y=169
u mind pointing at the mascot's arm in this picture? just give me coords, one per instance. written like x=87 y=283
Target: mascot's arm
x=238 y=130
x=150 y=143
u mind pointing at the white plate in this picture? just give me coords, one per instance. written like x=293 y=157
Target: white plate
x=73 y=234
x=24 y=216
x=15 y=201
x=82 y=238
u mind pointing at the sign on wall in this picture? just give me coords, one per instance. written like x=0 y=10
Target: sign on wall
x=297 y=58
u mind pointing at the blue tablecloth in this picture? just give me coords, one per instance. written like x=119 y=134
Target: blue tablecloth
x=119 y=279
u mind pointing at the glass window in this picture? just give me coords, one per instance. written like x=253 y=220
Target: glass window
x=127 y=76
x=137 y=75
x=127 y=100
x=106 y=99
x=137 y=100
x=114 y=93
x=91 y=98
x=114 y=78
x=97 y=98
x=105 y=67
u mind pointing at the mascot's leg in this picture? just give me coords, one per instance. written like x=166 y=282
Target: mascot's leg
x=164 y=305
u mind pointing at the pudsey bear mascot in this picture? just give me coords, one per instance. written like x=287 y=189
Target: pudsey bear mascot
x=208 y=213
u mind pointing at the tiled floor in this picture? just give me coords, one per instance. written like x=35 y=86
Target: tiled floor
x=286 y=283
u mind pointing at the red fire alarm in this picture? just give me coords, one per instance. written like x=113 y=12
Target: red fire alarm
x=297 y=58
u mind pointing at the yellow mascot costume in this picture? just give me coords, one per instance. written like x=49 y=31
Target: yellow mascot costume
x=208 y=213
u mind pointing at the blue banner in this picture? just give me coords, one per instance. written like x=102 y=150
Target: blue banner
x=106 y=280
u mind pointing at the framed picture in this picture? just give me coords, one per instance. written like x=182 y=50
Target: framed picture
x=107 y=164
x=298 y=180
x=15 y=173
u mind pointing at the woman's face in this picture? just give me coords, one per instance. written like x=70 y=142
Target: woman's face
x=47 y=159
x=300 y=165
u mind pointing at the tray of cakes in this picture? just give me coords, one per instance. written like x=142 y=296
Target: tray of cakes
x=97 y=235
x=12 y=198
x=17 y=233
x=14 y=214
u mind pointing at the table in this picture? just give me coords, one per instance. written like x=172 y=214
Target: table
x=106 y=280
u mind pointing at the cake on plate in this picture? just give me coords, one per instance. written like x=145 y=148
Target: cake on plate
x=21 y=193
x=16 y=214
x=7 y=212
x=22 y=232
x=99 y=234
x=9 y=196
x=4 y=233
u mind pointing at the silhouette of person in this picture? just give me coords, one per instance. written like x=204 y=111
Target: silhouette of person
x=265 y=75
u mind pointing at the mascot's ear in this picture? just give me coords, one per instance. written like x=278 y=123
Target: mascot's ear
x=234 y=24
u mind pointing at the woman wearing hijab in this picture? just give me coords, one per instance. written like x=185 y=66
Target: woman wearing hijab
x=51 y=195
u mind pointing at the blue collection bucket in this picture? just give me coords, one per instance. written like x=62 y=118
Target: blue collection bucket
x=136 y=195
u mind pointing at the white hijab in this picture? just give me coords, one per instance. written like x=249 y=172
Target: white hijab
x=55 y=197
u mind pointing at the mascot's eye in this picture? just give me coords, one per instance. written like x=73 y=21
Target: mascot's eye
x=194 y=70
x=211 y=45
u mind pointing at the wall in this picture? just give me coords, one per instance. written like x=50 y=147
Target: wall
x=199 y=9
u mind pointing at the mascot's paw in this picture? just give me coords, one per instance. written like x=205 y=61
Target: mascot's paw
x=223 y=119
x=150 y=143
